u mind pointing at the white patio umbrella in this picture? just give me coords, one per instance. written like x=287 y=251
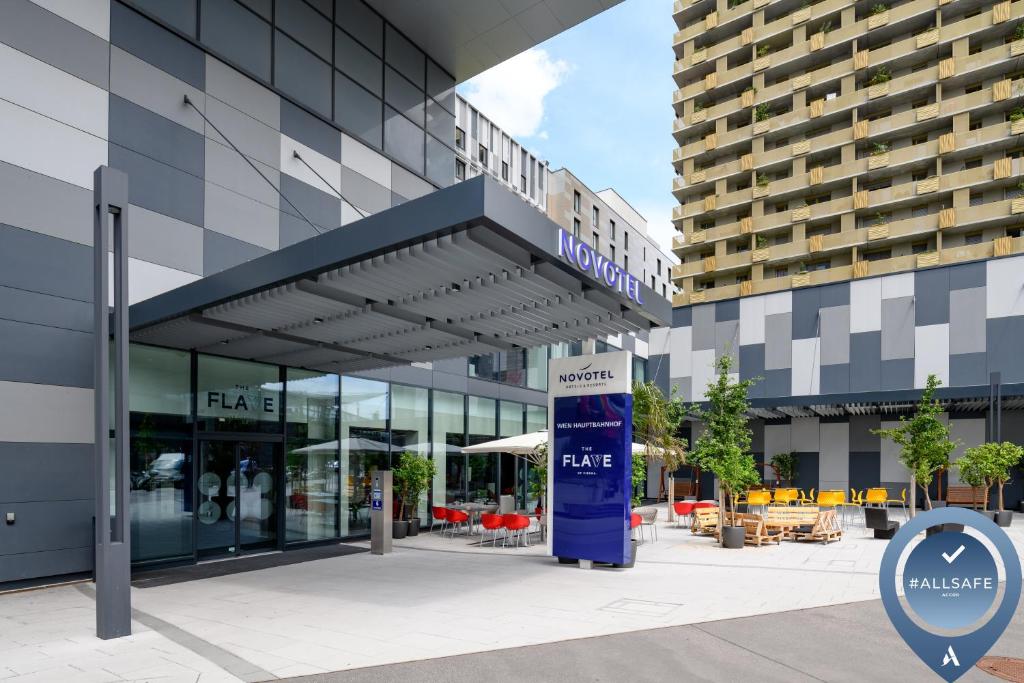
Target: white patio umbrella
x=356 y=443
x=524 y=444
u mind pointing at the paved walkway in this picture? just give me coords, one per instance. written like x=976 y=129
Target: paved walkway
x=431 y=598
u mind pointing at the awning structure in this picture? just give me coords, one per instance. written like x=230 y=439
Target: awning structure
x=466 y=270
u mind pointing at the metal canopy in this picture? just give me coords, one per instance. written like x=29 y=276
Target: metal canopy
x=467 y=270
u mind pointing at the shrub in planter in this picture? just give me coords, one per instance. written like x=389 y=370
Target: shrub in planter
x=881 y=75
x=990 y=465
x=879 y=9
x=411 y=478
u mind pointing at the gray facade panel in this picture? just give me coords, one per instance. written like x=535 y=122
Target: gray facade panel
x=41 y=204
x=898 y=328
x=835 y=379
x=835 y=335
x=159 y=187
x=967 y=320
x=778 y=341
x=358 y=63
x=358 y=112
x=703 y=327
x=865 y=469
x=319 y=207
x=837 y=294
x=408 y=184
x=27 y=27
x=151 y=135
x=968 y=369
x=254 y=138
x=48 y=265
x=441 y=86
x=806 y=303
x=898 y=374
x=658 y=370
x=221 y=252
x=403 y=140
x=404 y=97
x=363 y=192
x=307 y=26
x=20 y=305
x=411 y=374
x=45 y=355
x=303 y=127
x=778 y=382
x=180 y=15
x=479 y=387
x=405 y=57
x=861 y=438
x=45 y=472
x=150 y=42
x=752 y=366
x=48 y=525
x=865 y=361
x=727 y=340
x=292 y=230
x=931 y=290
x=450 y=382
x=967 y=275
x=683 y=385
x=727 y=310
x=1004 y=337
x=507 y=392
x=48 y=563
x=682 y=317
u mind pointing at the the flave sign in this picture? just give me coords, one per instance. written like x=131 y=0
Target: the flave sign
x=602 y=268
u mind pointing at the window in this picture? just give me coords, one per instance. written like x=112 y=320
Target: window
x=977 y=198
x=972 y=238
x=919 y=140
x=781 y=271
x=596 y=242
x=974 y=87
x=625 y=240
x=576 y=228
x=625 y=262
x=918 y=176
x=596 y=217
x=972 y=163
x=504 y=171
x=820 y=265
x=481 y=156
x=975 y=125
x=880 y=255
x=460 y=169
x=577 y=201
x=664 y=291
x=611 y=252
x=460 y=138
x=918 y=247
x=658 y=270
x=653 y=285
x=611 y=228
x=522 y=184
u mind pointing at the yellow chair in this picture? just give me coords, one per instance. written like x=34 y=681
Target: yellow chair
x=876 y=496
x=759 y=498
x=809 y=500
x=901 y=501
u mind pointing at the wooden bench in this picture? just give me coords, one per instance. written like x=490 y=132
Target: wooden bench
x=825 y=529
x=790 y=517
x=754 y=530
x=705 y=521
x=965 y=495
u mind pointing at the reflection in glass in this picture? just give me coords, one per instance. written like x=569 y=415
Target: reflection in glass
x=537 y=368
x=410 y=429
x=449 y=437
x=364 y=447
x=511 y=466
x=161 y=496
x=311 y=457
x=481 y=469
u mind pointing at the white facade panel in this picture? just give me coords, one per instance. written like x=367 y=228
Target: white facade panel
x=328 y=168
x=45 y=146
x=896 y=286
x=752 y=320
x=805 y=436
x=1004 y=295
x=931 y=353
x=778 y=302
x=891 y=469
x=703 y=368
x=360 y=158
x=866 y=305
x=681 y=350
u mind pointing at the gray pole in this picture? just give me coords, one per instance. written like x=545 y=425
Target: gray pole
x=113 y=540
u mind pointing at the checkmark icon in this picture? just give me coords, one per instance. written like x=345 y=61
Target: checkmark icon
x=949 y=558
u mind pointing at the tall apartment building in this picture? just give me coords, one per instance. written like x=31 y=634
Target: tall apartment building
x=837 y=140
x=482 y=147
x=607 y=222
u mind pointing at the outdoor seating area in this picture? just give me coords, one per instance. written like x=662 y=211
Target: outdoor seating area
x=481 y=523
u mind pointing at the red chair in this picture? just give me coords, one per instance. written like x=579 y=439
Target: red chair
x=636 y=520
x=682 y=510
x=704 y=504
x=438 y=514
x=457 y=519
x=516 y=526
x=491 y=522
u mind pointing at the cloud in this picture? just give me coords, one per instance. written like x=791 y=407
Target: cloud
x=512 y=93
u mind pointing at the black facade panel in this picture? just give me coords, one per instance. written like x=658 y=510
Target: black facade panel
x=140 y=130
x=35 y=472
x=865 y=361
x=806 y=471
x=865 y=469
x=752 y=367
x=158 y=187
x=221 y=252
x=806 y=303
x=45 y=355
x=44 y=264
x=931 y=296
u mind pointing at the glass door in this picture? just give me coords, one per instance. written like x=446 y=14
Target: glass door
x=237 y=484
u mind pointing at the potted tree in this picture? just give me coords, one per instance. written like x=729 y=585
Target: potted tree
x=656 y=423
x=975 y=467
x=784 y=465
x=539 y=476
x=1005 y=457
x=924 y=442
x=724 y=447
x=411 y=478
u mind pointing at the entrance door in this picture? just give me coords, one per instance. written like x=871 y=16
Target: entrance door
x=237 y=485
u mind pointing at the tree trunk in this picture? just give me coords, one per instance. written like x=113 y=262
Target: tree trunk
x=1000 y=496
x=721 y=515
x=927 y=498
x=913 y=495
x=671 y=498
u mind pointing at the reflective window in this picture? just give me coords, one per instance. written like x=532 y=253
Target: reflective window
x=403 y=140
x=536 y=418
x=311 y=456
x=439 y=162
x=358 y=111
x=357 y=62
x=410 y=429
x=238 y=396
x=237 y=34
x=299 y=73
x=537 y=368
x=364 y=447
x=512 y=468
x=449 y=425
x=481 y=470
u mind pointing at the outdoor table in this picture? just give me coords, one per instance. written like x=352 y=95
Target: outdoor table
x=474 y=510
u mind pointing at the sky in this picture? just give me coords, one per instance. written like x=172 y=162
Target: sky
x=597 y=99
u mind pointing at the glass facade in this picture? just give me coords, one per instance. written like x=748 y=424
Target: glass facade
x=449 y=436
x=312 y=480
x=481 y=471
x=365 y=447
x=410 y=428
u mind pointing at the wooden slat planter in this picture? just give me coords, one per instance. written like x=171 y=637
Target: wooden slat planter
x=879 y=90
x=758 y=4
x=928 y=260
x=1001 y=90
x=699 y=56
x=1002 y=168
x=709 y=264
x=927 y=38
x=817 y=41
x=817 y=108
x=947 y=143
x=746 y=225
x=747 y=36
x=760 y=191
x=816 y=243
x=878 y=161
x=762 y=63
x=760 y=255
x=747 y=162
x=747 y=98
x=800 y=280
x=947 y=68
x=1017 y=205
x=928 y=185
x=699 y=116
x=1017 y=48
x=746 y=288
x=860 y=269
x=698 y=236
x=947 y=218
x=929 y=111
x=1002 y=246
x=817 y=175
x=677 y=213
x=761 y=127
x=801 y=15
x=801 y=82
x=802 y=147
x=1017 y=127
x=878 y=232
x=1001 y=12
x=860 y=199
x=710 y=81
x=876 y=20
x=860 y=59
x=711 y=20
x=710 y=141
x=710 y=202
x=800 y=214
x=697 y=297
x=698 y=177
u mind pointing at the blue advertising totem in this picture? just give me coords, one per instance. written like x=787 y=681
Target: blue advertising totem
x=590 y=421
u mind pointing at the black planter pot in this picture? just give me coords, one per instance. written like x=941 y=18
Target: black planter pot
x=399 y=529
x=936 y=504
x=414 y=527
x=1004 y=517
x=939 y=528
x=1020 y=507
x=733 y=536
x=991 y=514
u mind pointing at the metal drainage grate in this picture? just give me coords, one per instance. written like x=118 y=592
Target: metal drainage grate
x=1003 y=667
x=645 y=608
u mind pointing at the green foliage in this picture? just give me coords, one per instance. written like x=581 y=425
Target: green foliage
x=1018 y=33
x=638 y=475
x=762 y=112
x=539 y=473
x=923 y=439
x=1018 y=113
x=879 y=148
x=785 y=465
x=764 y=50
x=881 y=75
x=826 y=26
x=881 y=219
x=411 y=478
x=697 y=107
x=724 y=447
x=989 y=465
x=879 y=8
x=762 y=180
x=761 y=242
x=657 y=420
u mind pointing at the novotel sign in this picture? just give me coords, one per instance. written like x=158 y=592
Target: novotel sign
x=583 y=256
